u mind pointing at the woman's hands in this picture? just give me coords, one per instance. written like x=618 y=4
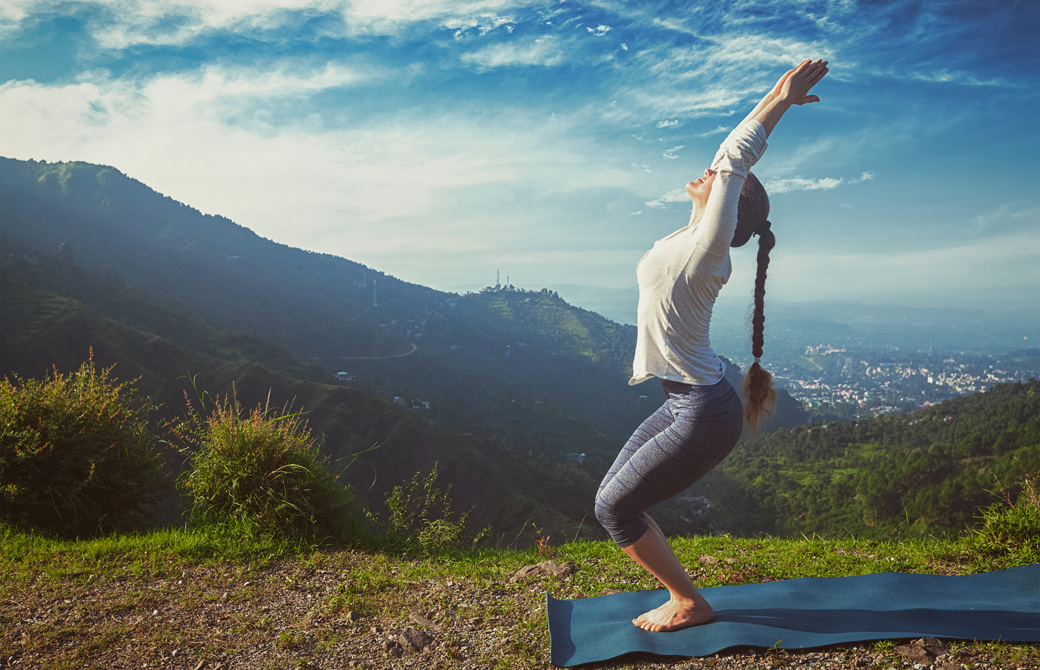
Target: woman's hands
x=794 y=86
x=791 y=89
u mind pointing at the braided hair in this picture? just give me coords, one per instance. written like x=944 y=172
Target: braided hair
x=752 y=219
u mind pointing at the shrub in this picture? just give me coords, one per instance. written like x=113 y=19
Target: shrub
x=421 y=514
x=77 y=457
x=1010 y=530
x=263 y=474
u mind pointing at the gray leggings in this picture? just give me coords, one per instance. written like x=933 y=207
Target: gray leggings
x=695 y=428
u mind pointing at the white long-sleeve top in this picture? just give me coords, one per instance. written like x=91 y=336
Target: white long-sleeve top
x=680 y=278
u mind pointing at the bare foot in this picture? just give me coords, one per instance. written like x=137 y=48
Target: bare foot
x=675 y=615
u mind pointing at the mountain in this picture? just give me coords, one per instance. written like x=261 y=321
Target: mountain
x=518 y=379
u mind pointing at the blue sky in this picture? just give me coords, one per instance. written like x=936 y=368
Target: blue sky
x=442 y=141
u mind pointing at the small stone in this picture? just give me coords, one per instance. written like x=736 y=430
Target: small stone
x=932 y=645
x=915 y=652
x=546 y=568
x=413 y=640
x=707 y=559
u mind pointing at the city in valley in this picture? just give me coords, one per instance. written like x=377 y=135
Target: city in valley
x=847 y=383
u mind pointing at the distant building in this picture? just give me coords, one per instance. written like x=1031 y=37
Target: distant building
x=344 y=377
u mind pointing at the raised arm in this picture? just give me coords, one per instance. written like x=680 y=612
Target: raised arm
x=769 y=97
x=791 y=89
x=742 y=149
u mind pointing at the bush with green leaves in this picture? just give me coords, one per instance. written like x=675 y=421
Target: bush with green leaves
x=421 y=516
x=1009 y=534
x=77 y=456
x=262 y=473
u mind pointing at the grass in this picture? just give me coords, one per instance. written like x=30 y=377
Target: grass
x=136 y=599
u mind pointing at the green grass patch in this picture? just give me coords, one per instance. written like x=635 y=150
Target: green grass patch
x=303 y=603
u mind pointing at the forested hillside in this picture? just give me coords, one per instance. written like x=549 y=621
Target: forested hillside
x=924 y=473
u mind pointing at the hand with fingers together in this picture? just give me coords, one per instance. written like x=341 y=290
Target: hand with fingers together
x=794 y=86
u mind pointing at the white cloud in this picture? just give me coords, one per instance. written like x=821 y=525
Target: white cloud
x=672 y=154
x=599 y=30
x=685 y=103
x=669 y=123
x=718 y=130
x=134 y=22
x=544 y=51
x=483 y=24
x=673 y=196
x=776 y=186
x=382 y=14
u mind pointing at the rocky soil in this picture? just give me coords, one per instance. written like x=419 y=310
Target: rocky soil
x=338 y=613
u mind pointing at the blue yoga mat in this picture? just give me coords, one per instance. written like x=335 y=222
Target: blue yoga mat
x=805 y=613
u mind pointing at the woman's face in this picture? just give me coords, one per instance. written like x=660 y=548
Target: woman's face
x=699 y=189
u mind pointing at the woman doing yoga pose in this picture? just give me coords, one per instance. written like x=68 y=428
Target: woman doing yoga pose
x=701 y=419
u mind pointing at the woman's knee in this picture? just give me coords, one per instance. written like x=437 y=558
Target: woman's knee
x=624 y=526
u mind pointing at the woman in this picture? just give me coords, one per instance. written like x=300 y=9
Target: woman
x=701 y=419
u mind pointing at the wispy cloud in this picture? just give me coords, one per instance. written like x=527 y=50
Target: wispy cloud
x=546 y=51
x=776 y=186
x=717 y=131
x=482 y=25
x=671 y=154
x=671 y=197
x=121 y=24
x=1008 y=216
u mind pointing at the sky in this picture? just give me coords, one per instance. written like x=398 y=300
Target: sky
x=445 y=141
